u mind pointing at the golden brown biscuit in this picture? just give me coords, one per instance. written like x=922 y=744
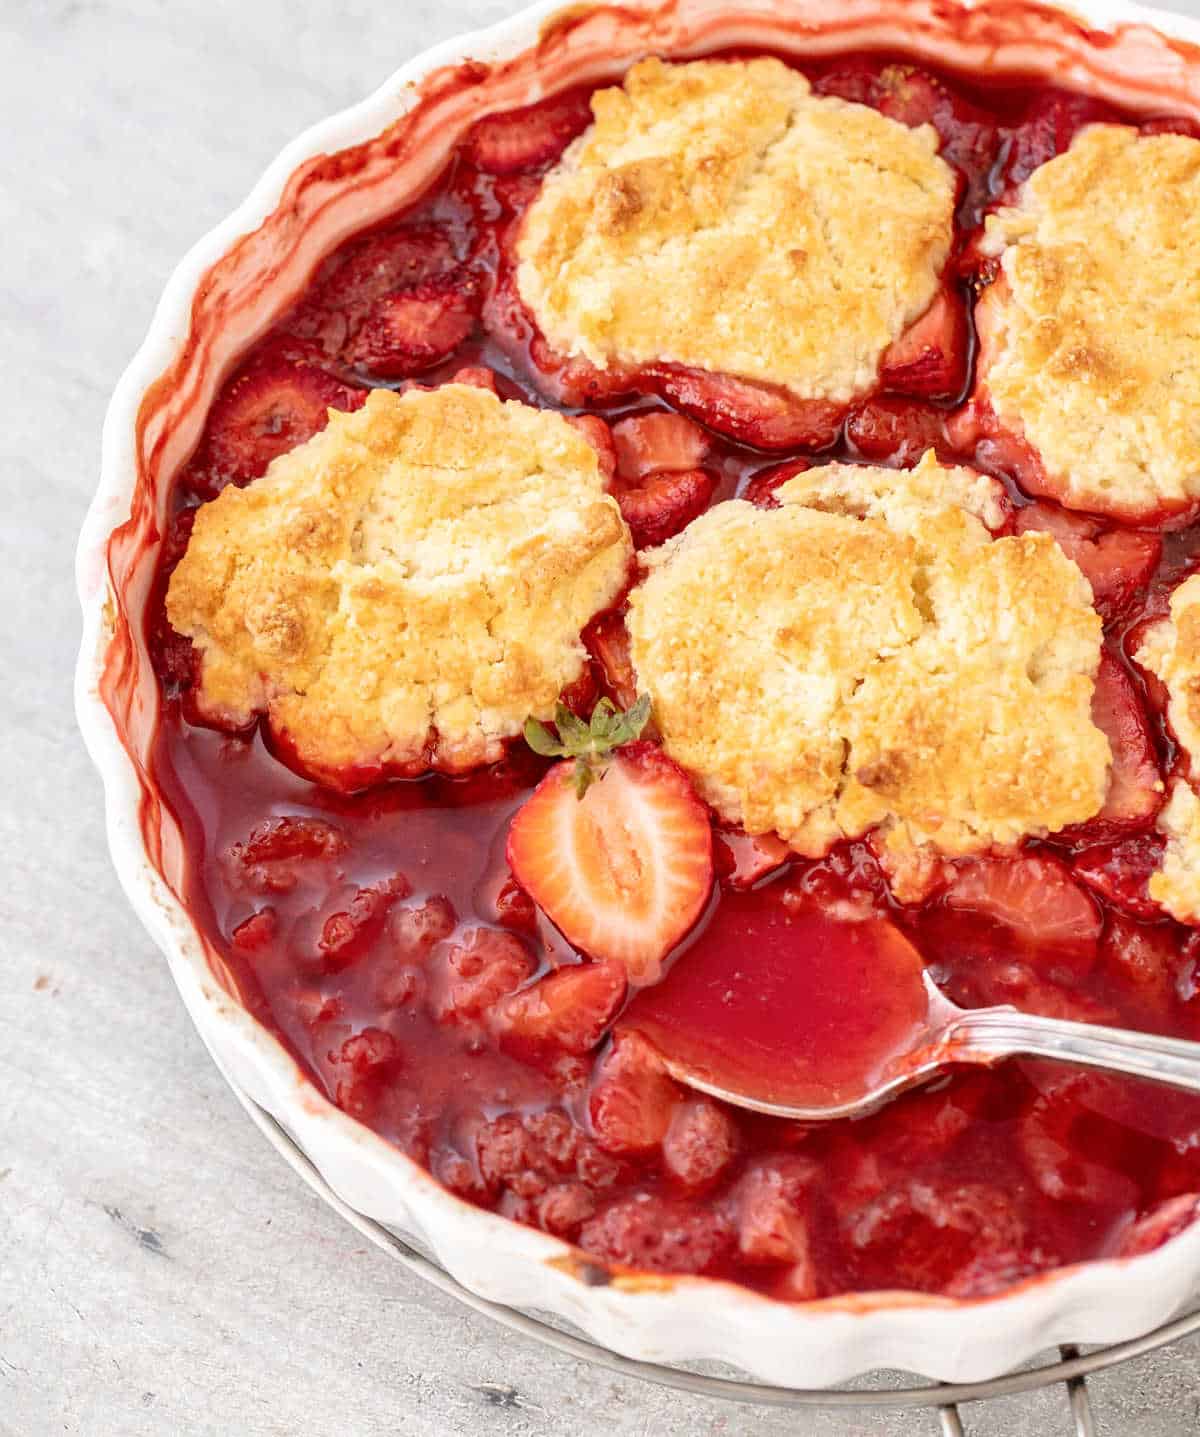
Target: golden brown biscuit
x=719 y=215
x=1091 y=339
x=868 y=655
x=407 y=586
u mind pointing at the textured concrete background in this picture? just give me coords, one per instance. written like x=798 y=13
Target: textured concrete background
x=161 y=1271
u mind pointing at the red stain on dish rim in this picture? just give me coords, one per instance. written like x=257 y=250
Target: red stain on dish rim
x=330 y=196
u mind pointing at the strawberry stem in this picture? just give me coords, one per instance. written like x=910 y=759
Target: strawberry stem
x=589 y=744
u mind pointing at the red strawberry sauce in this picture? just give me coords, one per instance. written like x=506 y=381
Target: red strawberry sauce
x=378 y=932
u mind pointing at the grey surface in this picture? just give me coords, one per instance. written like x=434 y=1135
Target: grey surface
x=161 y=1270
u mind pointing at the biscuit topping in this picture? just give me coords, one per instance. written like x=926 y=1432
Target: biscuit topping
x=408 y=586
x=719 y=215
x=1091 y=338
x=867 y=654
x=1170 y=649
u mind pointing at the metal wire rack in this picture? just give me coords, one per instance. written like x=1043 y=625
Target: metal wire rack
x=944 y=1399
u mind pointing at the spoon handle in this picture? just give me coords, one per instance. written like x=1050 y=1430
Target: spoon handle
x=1003 y=1032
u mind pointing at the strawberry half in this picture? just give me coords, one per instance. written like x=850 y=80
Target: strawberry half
x=625 y=871
x=527 y=138
x=1033 y=895
x=1117 y=563
x=271 y=407
x=657 y=443
x=930 y=358
x=664 y=504
x=416 y=328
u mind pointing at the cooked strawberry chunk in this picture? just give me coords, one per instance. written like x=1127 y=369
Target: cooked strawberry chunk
x=270 y=859
x=743 y=859
x=930 y=358
x=1135 y=787
x=1140 y=962
x=478 y=376
x=1047 y=128
x=761 y=489
x=664 y=505
x=417 y=929
x=700 y=1143
x=361 y=1068
x=387 y=261
x=570 y=1009
x=1071 y=1144
x=897 y=429
x=1117 y=563
x=475 y=973
x=755 y=414
x=652 y=1235
x=771 y=1202
x=255 y=933
x=607 y=640
x=1032 y=895
x=632 y=1100
x=273 y=405
x=525 y=139
x=658 y=442
x=348 y=932
x=600 y=437
x=416 y=328
x=624 y=871
x=1120 y=872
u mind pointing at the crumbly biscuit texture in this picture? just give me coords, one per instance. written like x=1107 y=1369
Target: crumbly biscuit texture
x=408 y=585
x=1092 y=336
x=719 y=215
x=1170 y=649
x=867 y=656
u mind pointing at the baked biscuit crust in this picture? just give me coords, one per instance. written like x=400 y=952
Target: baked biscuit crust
x=403 y=590
x=1090 y=340
x=718 y=215
x=868 y=655
x=1170 y=650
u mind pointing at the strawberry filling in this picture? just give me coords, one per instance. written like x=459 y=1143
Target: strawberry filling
x=478 y=966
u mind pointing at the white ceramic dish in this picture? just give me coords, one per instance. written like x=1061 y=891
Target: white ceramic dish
x=224 y=293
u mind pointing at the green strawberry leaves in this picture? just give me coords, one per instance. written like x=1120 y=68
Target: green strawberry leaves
x=589 y=744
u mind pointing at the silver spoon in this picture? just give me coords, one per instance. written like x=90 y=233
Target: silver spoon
x=939 y=1035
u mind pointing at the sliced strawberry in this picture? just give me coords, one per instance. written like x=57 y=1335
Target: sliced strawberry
x=1159 y=1225
x=700 y=1143
x=1047 y=128
x=743 y=859
x=515 y=909
x=568 y=1010
x=600 y=437
x=474 y=974
x=1120 y=873
x=1171 y=125
x=1140 y=961
x=415 y=328
x=658 y=442
x=417 y=930
x=348 y=932
x=272 y=406
x=757 y=414
x=524 y=139
x=478 y=376
x=1135 y=786
x=897 y=429
x=761 y=489
x=624 y=871
x=929 y=359
x=771 y=1202
x=1117 y=563
x=651 y=1234
x=632 y=1100
x=664 y=505
x=1033 y=895
x=607 y=640
x=255 y=933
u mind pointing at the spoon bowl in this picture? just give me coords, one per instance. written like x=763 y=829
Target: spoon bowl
x=815 y=1016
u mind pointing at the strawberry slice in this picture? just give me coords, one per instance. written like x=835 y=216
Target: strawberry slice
x=273 y=405
x=761 y=489
x=929 y=359
x=600 y=437
x=664 y=505
x=743 y=859
x=1135 y=786
x=416 y=328
x=1047 y=128
x=757 y=414
x=625 y=871
x=1033 y=895
x=654 y=443
x=1159 y=1225
x=524 y=139
x=897 y=429
x=632 y=1099
x=568 y=1010
x=477 y=376
x=1117 y=563
x=607 y=640
x=1120 y=873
